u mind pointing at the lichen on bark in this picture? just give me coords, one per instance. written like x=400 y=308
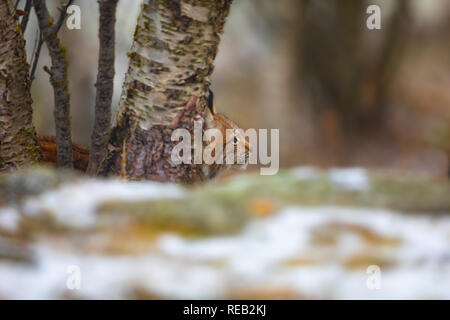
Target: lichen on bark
x=171 y=60
x=18 y=144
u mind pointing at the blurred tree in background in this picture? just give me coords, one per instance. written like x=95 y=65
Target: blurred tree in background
x=346 y=69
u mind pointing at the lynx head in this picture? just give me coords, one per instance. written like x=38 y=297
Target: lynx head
x=235 y=145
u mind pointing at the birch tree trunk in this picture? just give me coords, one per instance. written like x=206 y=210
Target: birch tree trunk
x=171 y=60
x=18 y=145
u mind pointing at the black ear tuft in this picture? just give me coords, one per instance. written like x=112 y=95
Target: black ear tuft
x=211 y=102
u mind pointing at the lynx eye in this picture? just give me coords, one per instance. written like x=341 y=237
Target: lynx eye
x=235 y=139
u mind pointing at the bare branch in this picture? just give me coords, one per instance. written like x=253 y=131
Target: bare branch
x=58 y=26
x=104 y=85
x=27 y=9
x=58 y=79
x=36 y=54
x=62 y=15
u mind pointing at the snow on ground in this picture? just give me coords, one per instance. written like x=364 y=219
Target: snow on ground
x=175 y=267
x=351 y=179
x=9 y=219
x=298 y=251
x=74 y=204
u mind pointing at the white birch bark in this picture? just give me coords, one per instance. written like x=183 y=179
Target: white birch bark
x=18 y=146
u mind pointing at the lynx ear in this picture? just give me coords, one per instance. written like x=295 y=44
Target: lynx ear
x=209 y=116
x=210 y=110
x=211 y=104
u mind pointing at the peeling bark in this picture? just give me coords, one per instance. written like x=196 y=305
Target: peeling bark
x=58 y=79
x=171 y=60
x=104 y=85
x=18 y=146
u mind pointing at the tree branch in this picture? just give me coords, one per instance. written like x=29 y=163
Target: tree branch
x=104 y=85
x=27 y=9
x=58 y=79
x=36 y=54
x=62 y=17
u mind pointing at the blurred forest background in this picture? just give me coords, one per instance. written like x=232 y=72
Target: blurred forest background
x=341 y=94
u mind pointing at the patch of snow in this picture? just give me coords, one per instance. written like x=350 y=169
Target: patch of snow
x=350 y=179
x=74 y=204
x=305 y=173
x=259 y=253
x=209 y=268
x=9 y=219
x=109 y=277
